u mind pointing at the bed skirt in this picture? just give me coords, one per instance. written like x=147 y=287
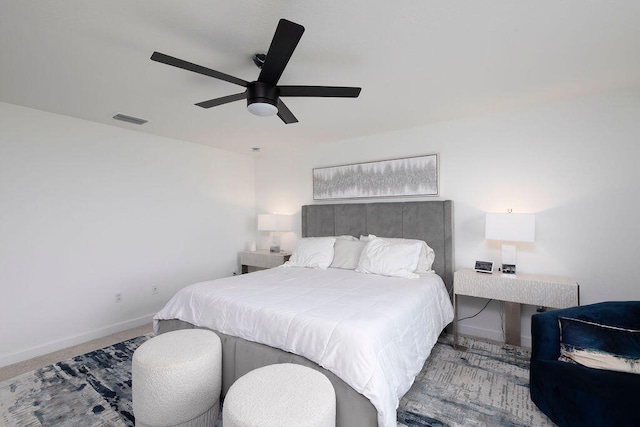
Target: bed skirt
x=240 y=356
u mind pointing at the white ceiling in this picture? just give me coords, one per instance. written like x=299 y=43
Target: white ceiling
x=417 y=61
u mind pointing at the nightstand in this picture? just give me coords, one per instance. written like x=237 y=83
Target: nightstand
x=531 y=289
x=262 y=259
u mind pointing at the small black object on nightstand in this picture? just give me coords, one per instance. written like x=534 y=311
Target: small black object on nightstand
x=484 y=267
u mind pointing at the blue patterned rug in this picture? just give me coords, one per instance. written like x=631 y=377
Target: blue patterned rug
x=487 y=385
x=93 y=389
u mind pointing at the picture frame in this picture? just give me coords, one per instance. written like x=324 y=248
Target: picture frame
x=404 y=177
x=508 y=269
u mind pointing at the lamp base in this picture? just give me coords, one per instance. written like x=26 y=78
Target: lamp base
x=508 y=254
x=274 y=242
x=509 y=260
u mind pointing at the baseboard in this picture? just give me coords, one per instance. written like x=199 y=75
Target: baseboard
x=75 y=340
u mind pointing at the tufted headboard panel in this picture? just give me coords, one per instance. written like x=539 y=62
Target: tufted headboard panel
x=431 y=221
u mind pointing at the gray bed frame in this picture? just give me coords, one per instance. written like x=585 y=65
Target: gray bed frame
x=431 y=221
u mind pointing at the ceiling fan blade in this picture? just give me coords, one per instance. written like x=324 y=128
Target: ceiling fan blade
x=224 y=100
x=285 y=114
x=175 y=62
x=284 y=42
x=320 y=91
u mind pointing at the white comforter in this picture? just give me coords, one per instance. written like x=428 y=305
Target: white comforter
x=373 y=332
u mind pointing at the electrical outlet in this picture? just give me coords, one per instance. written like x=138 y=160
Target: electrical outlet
x=118 y=297
x=154 y=290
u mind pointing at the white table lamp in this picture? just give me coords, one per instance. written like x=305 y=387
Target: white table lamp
x=274 y=224
x=510 y=227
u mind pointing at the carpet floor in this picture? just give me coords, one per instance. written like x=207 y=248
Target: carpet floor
x=484 y=385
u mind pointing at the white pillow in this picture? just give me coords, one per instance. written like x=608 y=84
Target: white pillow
x=313 y=252
x=427 y=255
x=389 y=259
x=347 y=254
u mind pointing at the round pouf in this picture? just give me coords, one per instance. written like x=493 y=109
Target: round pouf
x=283 y=395
x=176 y=379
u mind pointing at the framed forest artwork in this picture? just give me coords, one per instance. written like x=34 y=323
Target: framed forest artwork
x=411 y=176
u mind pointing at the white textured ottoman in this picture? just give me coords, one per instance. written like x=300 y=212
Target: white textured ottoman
x=176 y=379
x=283 y=395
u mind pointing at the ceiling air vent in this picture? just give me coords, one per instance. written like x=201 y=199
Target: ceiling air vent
x=130 y=119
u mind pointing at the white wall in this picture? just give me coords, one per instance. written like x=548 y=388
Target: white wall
x=88 y=210
x=575 y=164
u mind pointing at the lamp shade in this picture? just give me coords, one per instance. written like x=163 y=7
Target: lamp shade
x=274 y=222
x=510 y=227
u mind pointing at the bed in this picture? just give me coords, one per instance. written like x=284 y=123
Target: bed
x=338 y=321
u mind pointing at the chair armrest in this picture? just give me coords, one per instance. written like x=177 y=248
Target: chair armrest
x=545 y=336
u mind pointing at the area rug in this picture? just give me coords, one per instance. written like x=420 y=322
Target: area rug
x=91 y=390
x=479 y=384
x=486 y=385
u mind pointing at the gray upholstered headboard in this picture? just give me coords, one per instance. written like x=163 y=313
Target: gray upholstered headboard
x=431 y=221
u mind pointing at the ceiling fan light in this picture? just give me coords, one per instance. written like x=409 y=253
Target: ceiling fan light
x=262 y=109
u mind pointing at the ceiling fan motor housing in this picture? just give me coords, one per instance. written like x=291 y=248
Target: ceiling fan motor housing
x=262 y=92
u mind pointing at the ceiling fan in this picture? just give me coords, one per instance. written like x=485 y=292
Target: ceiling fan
x=263 y=95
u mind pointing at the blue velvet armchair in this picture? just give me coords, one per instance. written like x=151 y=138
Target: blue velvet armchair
x=575 y=395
